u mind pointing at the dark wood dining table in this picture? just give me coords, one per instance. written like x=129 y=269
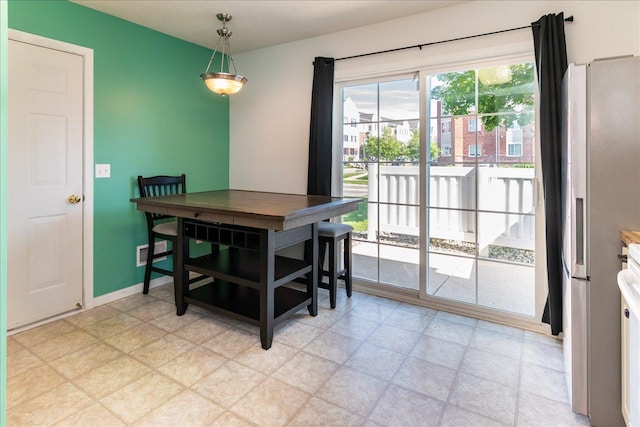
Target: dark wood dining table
x=252 y=276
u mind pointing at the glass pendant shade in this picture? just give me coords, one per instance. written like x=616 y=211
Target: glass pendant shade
x=222 y=82
x=494 y=75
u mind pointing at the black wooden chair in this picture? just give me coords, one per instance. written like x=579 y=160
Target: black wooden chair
x=330 y=234
x=160 y=226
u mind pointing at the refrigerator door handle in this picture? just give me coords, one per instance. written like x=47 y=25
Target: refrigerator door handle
x=579 y=248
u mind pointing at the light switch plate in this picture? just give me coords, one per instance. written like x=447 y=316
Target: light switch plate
x=103 y=170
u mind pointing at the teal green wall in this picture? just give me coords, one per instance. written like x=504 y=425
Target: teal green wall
x=3 y=212
x=152 y=116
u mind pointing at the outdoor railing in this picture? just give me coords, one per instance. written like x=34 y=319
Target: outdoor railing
x=505 y=203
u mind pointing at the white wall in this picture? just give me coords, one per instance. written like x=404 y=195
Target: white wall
x=270 y=117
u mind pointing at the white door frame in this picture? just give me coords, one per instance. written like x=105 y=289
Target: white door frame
x=87 y=150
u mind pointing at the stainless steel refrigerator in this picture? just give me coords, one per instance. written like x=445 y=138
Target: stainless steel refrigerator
x=601 y=163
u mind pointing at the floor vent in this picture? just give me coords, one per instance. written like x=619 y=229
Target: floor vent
x=142 y=252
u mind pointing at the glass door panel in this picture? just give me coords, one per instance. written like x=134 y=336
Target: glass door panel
x=480 y=195
x=381 y=155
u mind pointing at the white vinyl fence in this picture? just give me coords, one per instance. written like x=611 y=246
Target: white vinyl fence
x=505 y=201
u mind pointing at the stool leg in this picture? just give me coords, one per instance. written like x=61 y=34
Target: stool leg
x=347 y=265
x=322 y=251
x=333 y=273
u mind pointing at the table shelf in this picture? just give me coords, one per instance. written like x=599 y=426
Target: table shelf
x=243 y=303
x=243 y=267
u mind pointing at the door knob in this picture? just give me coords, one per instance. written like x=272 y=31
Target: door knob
x=73 y=199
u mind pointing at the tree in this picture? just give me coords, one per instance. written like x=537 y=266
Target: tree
x=412 y=150
x=457 y=93
x=388 y=148
x=383 y=148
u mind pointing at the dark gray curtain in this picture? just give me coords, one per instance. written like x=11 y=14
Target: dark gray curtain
x=319 y=178
x=551 y=64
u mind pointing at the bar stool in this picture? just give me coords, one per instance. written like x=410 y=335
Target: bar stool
x=160 y=226
x=157 y=226
x=330 y=234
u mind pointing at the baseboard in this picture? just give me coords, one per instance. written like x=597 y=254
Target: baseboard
x=131 y=290
x=103 y=299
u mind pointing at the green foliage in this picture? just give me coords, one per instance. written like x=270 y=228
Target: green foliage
x=385 y=147
x=434 y=151
x=388 y=148
x=515 y=97
x=412 y=150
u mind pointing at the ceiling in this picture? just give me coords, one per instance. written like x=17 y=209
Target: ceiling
x=256 y=23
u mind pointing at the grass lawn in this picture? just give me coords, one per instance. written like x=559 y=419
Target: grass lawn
x=359 y=177
x=358 y=218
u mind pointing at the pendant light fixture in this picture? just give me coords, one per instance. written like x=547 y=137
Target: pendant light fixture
x=223 y=82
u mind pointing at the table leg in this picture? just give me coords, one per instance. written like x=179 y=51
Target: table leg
x=180 y=274
x=266 y=319
x=267 y=289
x=311 y=252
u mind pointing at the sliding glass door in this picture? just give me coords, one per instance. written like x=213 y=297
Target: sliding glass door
x=457 y=175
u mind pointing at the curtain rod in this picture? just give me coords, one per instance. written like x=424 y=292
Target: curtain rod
x=420 y=46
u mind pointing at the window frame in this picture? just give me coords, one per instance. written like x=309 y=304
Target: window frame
x=477 y=150
x=473 y=128
x=510 y=143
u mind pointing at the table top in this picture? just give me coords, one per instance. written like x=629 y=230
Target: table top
x=276 y=211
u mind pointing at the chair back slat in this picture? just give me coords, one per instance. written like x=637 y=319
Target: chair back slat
x=161 y=185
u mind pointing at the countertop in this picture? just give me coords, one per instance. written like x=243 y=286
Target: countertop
x=628 y=236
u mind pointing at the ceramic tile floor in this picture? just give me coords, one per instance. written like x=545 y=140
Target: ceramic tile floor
x=370 y=362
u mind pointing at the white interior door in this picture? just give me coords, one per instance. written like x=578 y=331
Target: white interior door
x=45 y=183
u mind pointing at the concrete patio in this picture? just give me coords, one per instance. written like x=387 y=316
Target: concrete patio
x=501 y=286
